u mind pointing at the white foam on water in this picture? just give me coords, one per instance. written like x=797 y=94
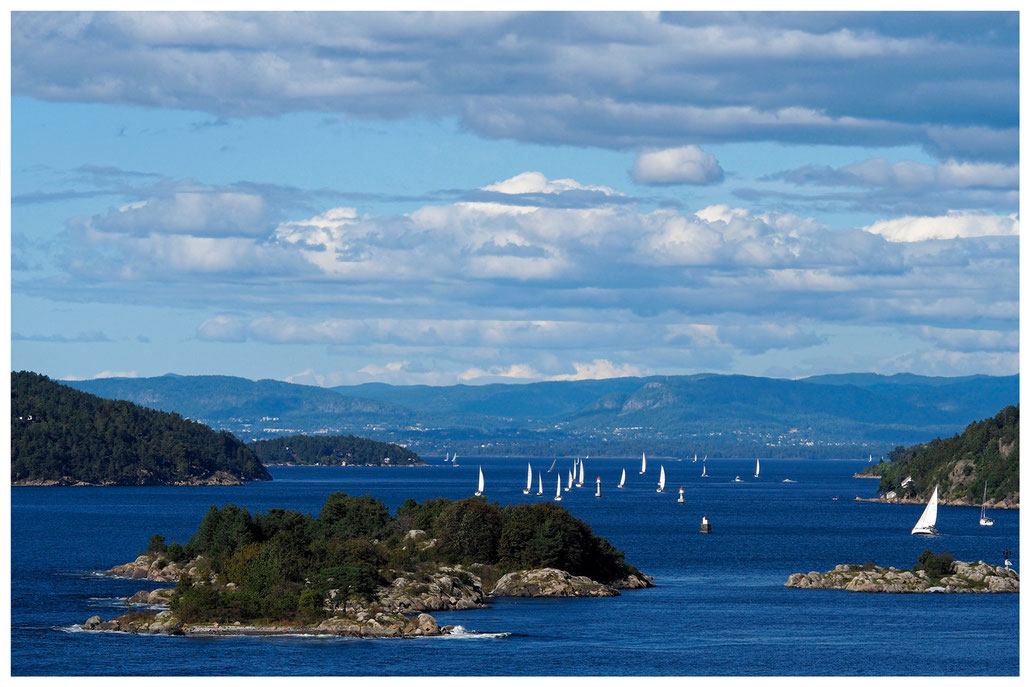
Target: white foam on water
x=461 y=632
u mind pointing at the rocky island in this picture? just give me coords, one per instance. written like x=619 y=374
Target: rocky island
x=934 y=573
x=356 y=571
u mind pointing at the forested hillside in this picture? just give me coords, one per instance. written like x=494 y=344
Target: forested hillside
x=987 y=452
x=63 y=436
x=332 y=450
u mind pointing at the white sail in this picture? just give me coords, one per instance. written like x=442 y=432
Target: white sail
x=581 y=475
x=529 y=478
x=598 y=494
x=928 y=520
x=643 y=463
x=539 y=483
x=661 y=479
x=984 y=520
x=454 y=459
x=447 y=457
x=569 y=485
x=557 y=494
x=481 y=482
x=622 y=482
x=552 y=465
x=703 y=473
x=756 y=467
x=695 y=457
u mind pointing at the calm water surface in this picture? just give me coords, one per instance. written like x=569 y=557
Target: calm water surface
x=720 y=607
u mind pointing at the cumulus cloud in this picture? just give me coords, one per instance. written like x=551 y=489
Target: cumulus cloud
x=684 y=165
x=628 y=80
x=599 y=369
x=502 y=283
x=908 y=175
x=951 y=226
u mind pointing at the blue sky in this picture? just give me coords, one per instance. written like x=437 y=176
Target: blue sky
x=444 y=198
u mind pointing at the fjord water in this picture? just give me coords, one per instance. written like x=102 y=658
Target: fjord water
x=720 y=607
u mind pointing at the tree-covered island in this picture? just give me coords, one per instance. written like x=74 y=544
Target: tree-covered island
x=332 y=450
x=61 y=436
x=985 y=454
x=356 y=570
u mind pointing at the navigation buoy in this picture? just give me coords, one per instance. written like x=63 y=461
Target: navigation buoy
x=706 y=527
x=680 y=499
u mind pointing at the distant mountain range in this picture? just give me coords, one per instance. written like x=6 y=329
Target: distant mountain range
x=830 y=414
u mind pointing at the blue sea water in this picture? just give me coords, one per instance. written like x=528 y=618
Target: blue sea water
x=720 y=607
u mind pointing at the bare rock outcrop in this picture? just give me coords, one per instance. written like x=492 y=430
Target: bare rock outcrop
x=965 y=578
x=550 y=582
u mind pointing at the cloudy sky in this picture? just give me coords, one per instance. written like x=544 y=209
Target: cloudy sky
x=444 y=198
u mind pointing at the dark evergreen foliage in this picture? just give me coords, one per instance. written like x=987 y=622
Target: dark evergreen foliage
x=991 y=446
x=283 y=563
x=59 y=433
x=332 y=450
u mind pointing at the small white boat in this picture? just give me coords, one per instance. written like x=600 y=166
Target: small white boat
x=870 y=457
x=984 y=520
x=661 y=480
x=481 y=483
x=552 y=465
x=557 y=494
x=680 y=499
x=569 y=484
x=757 y=467
x=695 y=458
x=643 y=463
x=447 y=457
x=788 y=480
x=737 y=478
x=703 y=471
x=539 y=483
x=598 y=492
x=582 y=471
x=705 y=458
x=928 y=520
x=454 y=460
x=622 y=482
x=529 y=479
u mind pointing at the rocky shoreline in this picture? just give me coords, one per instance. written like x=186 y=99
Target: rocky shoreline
x=916 y=501
x=218 y=479
x=966 y=578
x=398 y=610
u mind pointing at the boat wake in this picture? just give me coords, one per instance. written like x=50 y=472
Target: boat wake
x=461 y=632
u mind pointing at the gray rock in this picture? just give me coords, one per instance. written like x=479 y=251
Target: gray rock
x=549 y=582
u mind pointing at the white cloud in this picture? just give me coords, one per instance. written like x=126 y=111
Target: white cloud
x=967 y=340
x=202 y=212
x=627 y=80
x=684 y=165
x=599 y=368
x=105 y=374
x=951 y=226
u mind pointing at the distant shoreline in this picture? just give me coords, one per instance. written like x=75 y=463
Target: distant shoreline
x=1001 y=505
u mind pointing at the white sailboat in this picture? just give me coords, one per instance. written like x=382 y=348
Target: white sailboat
x=756 y=467
x=579 y=482
x=447 y=457
x=529 y=478
x=870 y=457
x=704 y=472
x=695 y=458
x=680 y=499
x=643 y=463
x=552 y=465
x=540 y=483
x=481 y=483
x=569 y=484
x=622 y=482
x=661 y=480
x=737 y=478
x=928 y=520
x=598 y=493
x=984 y=520
x=454 y=460
x=557 y=494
